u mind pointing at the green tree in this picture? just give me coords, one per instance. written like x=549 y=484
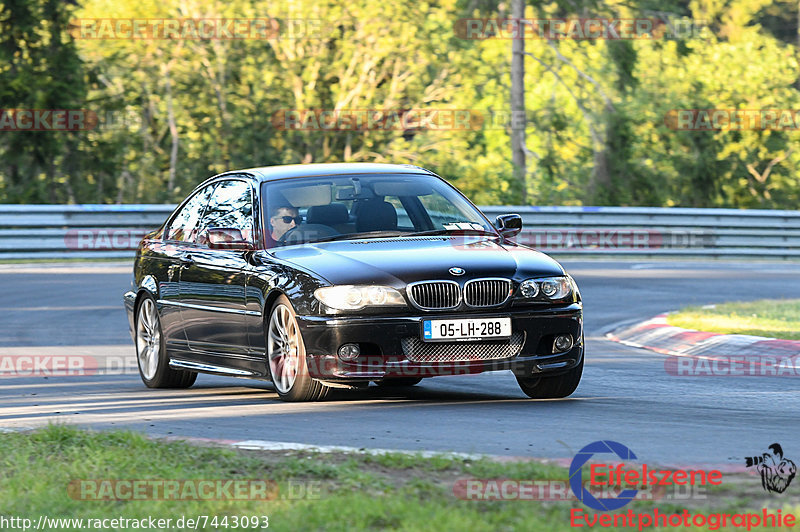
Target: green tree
x=39 y=69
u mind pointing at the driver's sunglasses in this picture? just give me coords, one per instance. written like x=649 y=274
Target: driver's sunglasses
x=288 y=219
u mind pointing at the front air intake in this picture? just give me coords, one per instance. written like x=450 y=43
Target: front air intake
x=435 y=295
x=487 y=292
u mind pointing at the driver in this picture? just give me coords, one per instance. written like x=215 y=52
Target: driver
x=283 y=219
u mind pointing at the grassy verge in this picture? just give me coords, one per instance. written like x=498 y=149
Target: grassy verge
x=315 y=491
x=773 y=318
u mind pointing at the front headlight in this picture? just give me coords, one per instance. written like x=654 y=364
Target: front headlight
x=355 y=297
x=550 y=287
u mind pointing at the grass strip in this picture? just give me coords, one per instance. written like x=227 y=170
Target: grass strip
x=315 y=491
x=772 y=318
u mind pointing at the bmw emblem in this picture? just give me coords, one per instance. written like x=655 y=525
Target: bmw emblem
x=457 y=271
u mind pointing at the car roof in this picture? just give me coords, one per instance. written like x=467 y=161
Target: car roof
x=269 y=173
x=272 y=173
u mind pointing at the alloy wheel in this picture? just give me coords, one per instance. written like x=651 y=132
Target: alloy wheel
x=283 y=348
x=148 y=339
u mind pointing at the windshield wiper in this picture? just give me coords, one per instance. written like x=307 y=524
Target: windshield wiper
x=356 y=236
x=390 y=234
x=437 y=232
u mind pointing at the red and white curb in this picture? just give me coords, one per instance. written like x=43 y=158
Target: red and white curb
x=712 y=354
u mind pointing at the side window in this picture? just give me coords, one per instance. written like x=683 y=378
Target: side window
x=230 y=207
x=184 y=226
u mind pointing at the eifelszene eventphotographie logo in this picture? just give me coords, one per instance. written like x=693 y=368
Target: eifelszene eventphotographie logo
x=617 y=472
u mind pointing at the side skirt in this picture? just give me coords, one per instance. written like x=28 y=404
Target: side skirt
x=214 y=369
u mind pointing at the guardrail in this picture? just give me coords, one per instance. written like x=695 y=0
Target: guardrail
x=651 y=231
x=76 y=231
x=113 y=231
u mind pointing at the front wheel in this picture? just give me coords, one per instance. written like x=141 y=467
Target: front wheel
x=151 y=352
x=286 y=355
x=556 y=387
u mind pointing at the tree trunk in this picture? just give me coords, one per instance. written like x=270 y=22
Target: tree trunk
x=601 y=180
x=518 y=120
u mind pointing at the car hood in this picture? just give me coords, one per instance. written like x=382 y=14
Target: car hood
x=399 y=261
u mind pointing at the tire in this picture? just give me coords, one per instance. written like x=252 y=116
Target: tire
x=398 y=382
x=556 y=387
x=151 y=351
x=286 y=356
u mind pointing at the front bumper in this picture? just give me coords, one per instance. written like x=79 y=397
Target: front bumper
x=383 y=355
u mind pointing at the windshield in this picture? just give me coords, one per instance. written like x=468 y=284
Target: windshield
x=324 y=208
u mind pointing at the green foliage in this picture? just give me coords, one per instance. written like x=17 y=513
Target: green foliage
x=175 y=111
x=39 y=69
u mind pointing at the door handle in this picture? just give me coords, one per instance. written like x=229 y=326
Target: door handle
x=187 y=260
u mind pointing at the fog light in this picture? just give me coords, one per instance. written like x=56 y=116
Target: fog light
x=349 y=352
x=562 y=343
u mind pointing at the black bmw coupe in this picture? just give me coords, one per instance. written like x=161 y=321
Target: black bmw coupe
x=337 y=275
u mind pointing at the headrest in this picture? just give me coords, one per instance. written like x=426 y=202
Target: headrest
x=333 y=213
x=376 y=215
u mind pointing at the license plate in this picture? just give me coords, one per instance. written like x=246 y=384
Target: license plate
x=466 y=329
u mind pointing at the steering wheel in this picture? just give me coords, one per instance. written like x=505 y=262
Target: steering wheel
x=306 y=233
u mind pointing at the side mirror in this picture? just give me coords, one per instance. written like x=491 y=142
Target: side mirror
x=228 y=238
x=508 y=225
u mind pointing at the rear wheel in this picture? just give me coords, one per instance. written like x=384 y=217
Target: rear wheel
x=555 y=387
x=286 y=355
x=151 y=352
x=402 y=381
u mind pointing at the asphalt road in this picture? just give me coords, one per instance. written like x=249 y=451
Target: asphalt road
x=625 y=394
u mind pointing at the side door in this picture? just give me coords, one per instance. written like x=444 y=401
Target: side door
x=179 y=236
x=212 y=281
